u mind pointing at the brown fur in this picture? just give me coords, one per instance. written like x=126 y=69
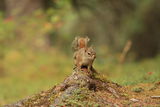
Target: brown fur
x=83 y=55
x=80 y=42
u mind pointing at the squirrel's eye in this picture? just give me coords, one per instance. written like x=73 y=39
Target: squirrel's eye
x=89 y=53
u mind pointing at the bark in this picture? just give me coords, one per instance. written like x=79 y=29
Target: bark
x=2 y=5
x=22 y=7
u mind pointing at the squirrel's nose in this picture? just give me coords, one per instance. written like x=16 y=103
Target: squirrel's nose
x=94 y=56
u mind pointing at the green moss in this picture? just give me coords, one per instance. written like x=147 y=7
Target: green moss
x=78 y=98
x=137 y=89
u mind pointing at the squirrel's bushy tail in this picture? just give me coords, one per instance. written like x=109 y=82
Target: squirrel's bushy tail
x=80 y=42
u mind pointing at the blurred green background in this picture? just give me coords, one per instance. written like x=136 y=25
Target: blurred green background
x=36 y=36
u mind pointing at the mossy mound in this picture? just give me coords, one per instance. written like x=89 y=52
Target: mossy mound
x=84 y=89
x=79 y=89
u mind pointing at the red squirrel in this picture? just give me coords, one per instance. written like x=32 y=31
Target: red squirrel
x=84 y=56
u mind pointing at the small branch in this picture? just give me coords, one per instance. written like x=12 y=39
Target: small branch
x=125 y=51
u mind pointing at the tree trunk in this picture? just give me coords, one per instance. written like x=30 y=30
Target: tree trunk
x=18 y=8
x=2 y=5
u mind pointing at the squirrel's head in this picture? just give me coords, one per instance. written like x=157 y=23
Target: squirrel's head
x=90 y=53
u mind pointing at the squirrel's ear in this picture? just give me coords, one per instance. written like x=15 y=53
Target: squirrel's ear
x=87 y=39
